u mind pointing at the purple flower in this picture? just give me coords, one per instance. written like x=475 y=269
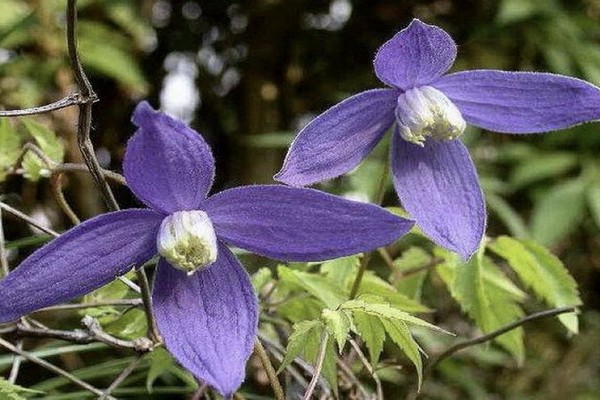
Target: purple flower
x=203 y=301
x=432 y=171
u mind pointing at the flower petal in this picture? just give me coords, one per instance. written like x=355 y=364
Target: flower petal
x=208 y=320
x=340 y=138
x=438 y=186
x=415 y=56
x=167 y=164
x=80 y=260
x=295 y=224
x=521 y=102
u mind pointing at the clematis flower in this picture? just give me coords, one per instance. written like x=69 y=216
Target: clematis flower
x=433 y=174
x=204 y=304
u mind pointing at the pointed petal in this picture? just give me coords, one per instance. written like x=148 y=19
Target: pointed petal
x=521 y=102
x=208 y=320
x=438 y=186
x=415 y=56
x=167 y=165
x=295 y=224
x=80 y=260
x=339 y=139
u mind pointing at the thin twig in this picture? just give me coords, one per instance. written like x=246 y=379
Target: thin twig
x=3 y=255
x=106 y=303
x=269 y=370
x=75 y=167
x=387 y=258
x=379 y=195
x=369 y=368
x=122 y=376
x=147 y=299
x=27 y=219
x=16 y=365
x=68 y=101
x=492 y=335
x=59 y=197
x=319 y=365
x=53 y=368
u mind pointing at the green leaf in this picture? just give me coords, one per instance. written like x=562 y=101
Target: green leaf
x=487 y=303
x=341 y=270
x=372 y=331
x=261 y=278
x=543 y=272
x=405 y=279
x=383 y=310
x=300 y=308
x=542 y=166
x=319 y=286
x=131 y=325
x=338 y=325
x=160 y=363
x=593 y=197
x=115 y=290
x=558 y=212
x=48 y=142
x=109 y=53
x=373 y=285
x=511 y=218
x=10 y=391
x=10 y=146
x=298 y=341
x=400 y=335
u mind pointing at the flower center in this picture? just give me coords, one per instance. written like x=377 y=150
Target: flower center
x=425 y=112
x=187 y=240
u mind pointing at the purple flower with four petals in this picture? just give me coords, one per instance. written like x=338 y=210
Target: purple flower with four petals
x=205 y=307
x=433 y=174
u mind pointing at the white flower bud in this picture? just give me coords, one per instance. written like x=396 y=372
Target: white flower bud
x=425 y=112
x=187 y=240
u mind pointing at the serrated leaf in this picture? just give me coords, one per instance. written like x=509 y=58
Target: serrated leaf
x=298 y=341
x=338 y=325
x=489 y=305
x=341 y=270
x=324 y=289
x=543 y=272
x=593 y=198
x=384 y=310
x=10 y=391
x=400 y=335
x=10 y=146
x=299 y=309
x=260 y=278
x=372 y=332
x=48 y=142
x=558 y=212
x=373 y=285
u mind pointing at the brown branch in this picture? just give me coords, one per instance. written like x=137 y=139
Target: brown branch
x=27 y=219
x=122 y=376
x=260 y=351
x=318 y=366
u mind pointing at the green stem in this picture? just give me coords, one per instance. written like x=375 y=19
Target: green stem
x=269 y=369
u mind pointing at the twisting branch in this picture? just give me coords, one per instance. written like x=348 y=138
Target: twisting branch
x=319 y=365
x=27 y=219
x=53 y=368
x=84 y=126
x=492 y=335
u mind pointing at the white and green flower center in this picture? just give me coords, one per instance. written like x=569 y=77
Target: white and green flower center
x=425 y=112
x=187 y=240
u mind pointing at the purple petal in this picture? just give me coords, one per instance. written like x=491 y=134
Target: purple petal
x=521 y=102
x=167 y=165
x=415 y=56
x=340 y=138
x=80 y=260
x=438 y=186
x=208 y=320
x=300 y=224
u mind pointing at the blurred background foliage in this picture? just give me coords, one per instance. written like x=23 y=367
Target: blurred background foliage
x=249 y=74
